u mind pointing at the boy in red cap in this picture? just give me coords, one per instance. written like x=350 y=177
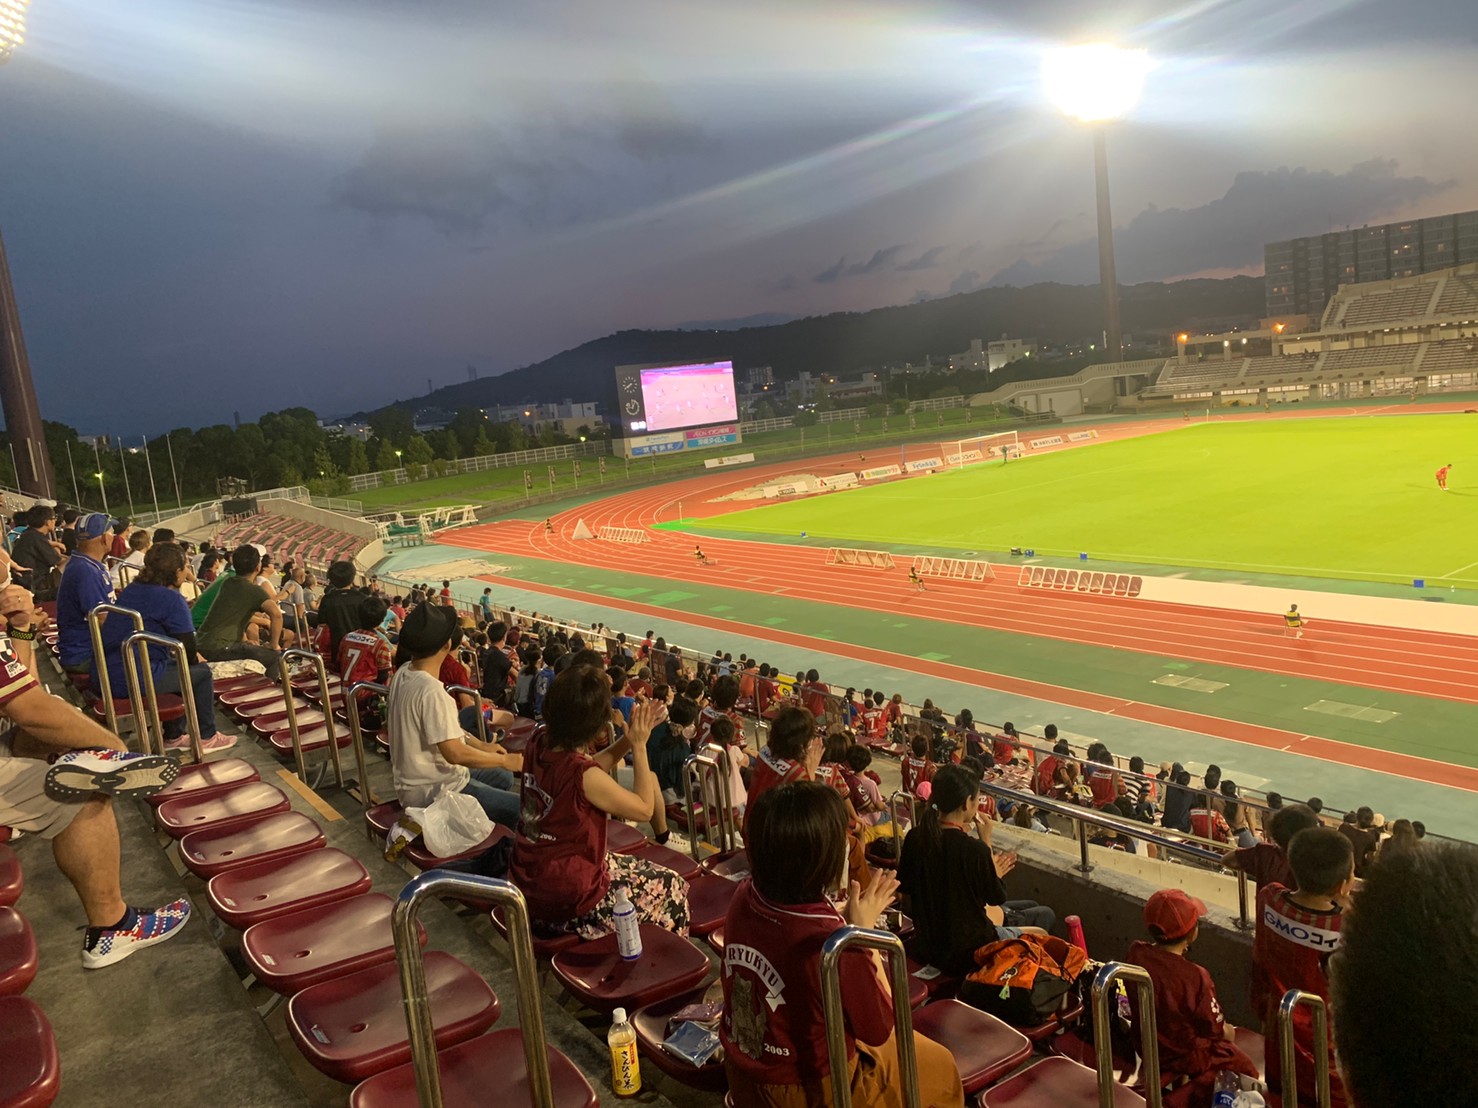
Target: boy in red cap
x=1195 y=1042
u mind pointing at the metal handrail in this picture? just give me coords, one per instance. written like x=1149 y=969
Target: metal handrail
x=356 y=727
x=913 y=819
x=329 y=723
x=1082 y=817
x=1149 y=1036
x=100 y=657
x=890 y=944
x=482 y=720
x=135 y=657
x=411 y=961
x=710 y=774
x=1288 y=1055
x=831 y=1001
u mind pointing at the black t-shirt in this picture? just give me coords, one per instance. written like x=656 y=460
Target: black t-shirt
x=495 y=667
x=34 y=551
x=339 y=608
x=948 y=888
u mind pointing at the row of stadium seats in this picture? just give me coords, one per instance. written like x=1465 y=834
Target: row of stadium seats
x=295 y=540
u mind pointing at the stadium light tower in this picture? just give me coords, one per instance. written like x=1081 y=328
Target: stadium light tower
x=1096 y=84
x=17 y=391
x=12 y=26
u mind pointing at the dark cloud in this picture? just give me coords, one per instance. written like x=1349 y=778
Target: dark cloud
x=881 y=259
x=1229 y=233
x=649 y=127
x=927 y=260
x=827 y=276
x=967 y=281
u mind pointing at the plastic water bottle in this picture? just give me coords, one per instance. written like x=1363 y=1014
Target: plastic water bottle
x=628 y=927
x=1224 y=1092
x=625 y=1065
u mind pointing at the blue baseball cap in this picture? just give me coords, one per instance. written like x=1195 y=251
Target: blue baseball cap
x=94 y=525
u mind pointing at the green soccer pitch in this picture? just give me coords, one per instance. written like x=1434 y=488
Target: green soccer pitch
x=1350 y=498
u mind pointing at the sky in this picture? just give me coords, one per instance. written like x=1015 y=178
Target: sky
x=222 y=206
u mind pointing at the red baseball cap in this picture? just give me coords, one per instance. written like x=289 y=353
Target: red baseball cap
x=1171 y=914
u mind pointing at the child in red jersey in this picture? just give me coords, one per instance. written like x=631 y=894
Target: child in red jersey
x=773 y=1027
x=919 y=766
x=1297 y=931
x=1266 y=863
x=1195 y=1042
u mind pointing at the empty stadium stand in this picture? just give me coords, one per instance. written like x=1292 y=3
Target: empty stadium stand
x=289 y=539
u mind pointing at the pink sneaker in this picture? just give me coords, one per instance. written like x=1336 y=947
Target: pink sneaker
x=218 y=741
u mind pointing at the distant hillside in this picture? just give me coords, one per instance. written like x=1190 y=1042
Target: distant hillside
x=846 y=342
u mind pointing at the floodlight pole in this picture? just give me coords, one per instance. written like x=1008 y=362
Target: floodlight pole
x=1108 y=280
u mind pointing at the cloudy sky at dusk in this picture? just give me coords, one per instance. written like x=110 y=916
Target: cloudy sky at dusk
x=220 y=205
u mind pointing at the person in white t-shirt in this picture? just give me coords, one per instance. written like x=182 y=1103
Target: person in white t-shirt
x=429 y=751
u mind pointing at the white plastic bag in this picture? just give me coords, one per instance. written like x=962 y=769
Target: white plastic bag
x=453 y=823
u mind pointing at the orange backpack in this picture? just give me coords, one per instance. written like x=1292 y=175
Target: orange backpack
x=1023 y=980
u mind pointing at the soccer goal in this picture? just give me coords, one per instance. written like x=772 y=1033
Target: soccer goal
x=981 y=448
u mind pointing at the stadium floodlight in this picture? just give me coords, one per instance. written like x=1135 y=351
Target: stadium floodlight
x=1096 y=83
x=12 y=26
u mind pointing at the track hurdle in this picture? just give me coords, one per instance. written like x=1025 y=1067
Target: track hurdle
x=624 y=534
x=955 y=569
x=871 y=559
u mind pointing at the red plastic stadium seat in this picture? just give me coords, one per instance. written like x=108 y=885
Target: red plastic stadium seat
x=242 y=683
x=650 y=1024
x=681 y=864
x=622 y=838
x=12 y=880
x=252 y=696
x=732 y=865
x=268 y=705
x=178 y=817
x=264 y=723
x=310 y=738
x=291 y=952
x=545 y=946
x=1055 y=1083
x=18 y=955
x=170 y=707
x=708 y=902
x=984 y=1048
x=353 y=1027
x=596 y=975
x=1054 y=1024
x=417 y=854
x=265 y=890
x=32 y=1074
x=1254 y=1046
x=936 y=988
x=470 y=1069
x=379 y=819
x=207 y=779
x=213 y=850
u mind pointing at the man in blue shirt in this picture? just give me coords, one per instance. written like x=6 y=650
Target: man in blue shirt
x=486 y=605
x=85 y=584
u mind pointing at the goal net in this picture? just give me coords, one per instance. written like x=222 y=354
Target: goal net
x=981 y=448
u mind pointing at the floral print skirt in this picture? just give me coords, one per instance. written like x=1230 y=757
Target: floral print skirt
x=659 y=894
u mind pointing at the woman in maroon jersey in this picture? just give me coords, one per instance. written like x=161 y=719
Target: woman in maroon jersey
x=560 y=860
x=773 y=1027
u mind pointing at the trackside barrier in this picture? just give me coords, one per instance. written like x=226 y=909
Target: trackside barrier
x=843 y=556
x=624 y=534
x=135 y=660
x=956 y=569
x=1050 y=440
x=412 y=964
x=100 y=661
x=924 y=464
x=1076 y=580
x=1082 y=436
x=877 y=473
x=1149 y=1043
x=1286 y=1053
x=831 y=1001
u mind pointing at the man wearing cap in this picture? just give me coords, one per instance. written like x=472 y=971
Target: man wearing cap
x=85 y=584
x=220 y=638
x=1195 y=1042
x=429 y=749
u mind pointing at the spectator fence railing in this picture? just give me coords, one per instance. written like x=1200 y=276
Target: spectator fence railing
x=1288 y=1055
x=891 y=946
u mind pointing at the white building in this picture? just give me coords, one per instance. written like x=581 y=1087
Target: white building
x=992 y=356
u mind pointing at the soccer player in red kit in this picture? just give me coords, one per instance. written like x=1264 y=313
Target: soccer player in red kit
x=1442 y=477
